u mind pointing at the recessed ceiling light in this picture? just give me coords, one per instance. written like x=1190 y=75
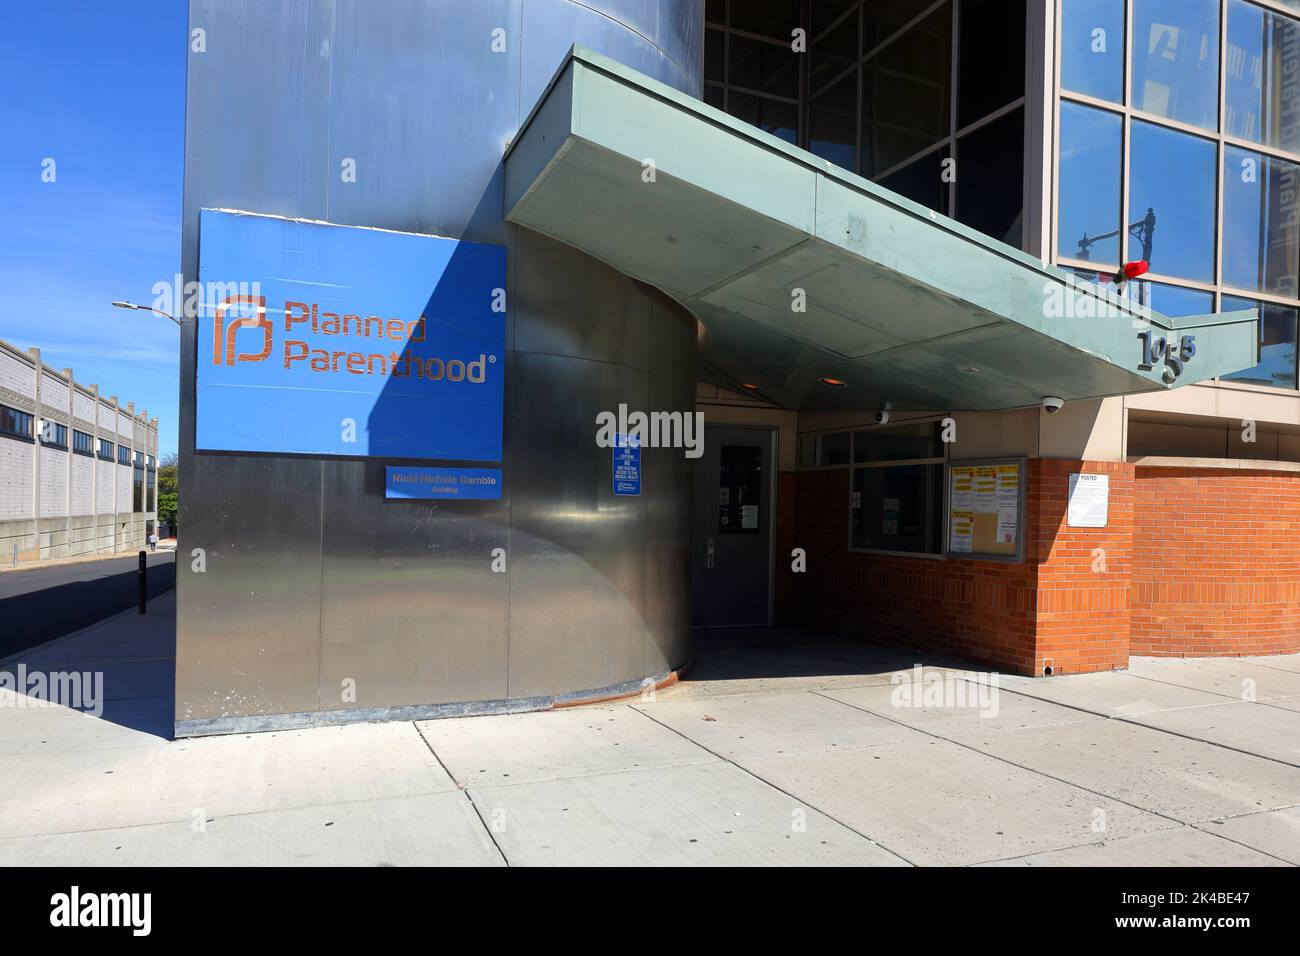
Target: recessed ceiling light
x=749 y=385
x=972 y=370
x=833 y=382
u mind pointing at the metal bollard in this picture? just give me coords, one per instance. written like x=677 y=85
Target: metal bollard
x=140 y=577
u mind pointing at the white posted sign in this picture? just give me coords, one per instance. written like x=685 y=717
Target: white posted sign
x=1089 y=501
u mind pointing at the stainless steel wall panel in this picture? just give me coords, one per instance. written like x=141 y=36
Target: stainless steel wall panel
x=248 y=624
x=425 y=108
x=596 y=313
x=313 y=577
x=412 y=611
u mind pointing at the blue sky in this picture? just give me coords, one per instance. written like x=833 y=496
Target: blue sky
x=100 y=89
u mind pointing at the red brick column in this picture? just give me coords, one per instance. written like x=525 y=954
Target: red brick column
x=1083 y=574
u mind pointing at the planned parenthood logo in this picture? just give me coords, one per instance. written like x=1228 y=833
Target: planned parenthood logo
x=946 y=689
x=83 y=691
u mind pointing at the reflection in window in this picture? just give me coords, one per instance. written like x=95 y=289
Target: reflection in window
x=1176 y=60
x=766 y=67
x=1171 y=188
x=740 y=491
x=1172 y=301
x=898 y=443
x=1260 y=247
x=772 y=116
x=990 y=76
x=714 y=55
x=769 y=18
x=906 y=90
x=1092 y=48
x=898 y=508
x=922 y=181
x=1091 y=161
x=1277 y=338
x=834 y=449
x=834 y=45
x=991 y=178
x=883 y=18
x=1263 y=52
x=832 y=123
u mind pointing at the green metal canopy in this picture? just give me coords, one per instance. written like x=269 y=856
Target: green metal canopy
x=901 y=303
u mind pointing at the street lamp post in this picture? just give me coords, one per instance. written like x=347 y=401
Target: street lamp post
x=148 y=308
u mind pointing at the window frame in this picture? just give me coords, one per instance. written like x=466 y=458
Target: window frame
x=1218 y=288
x=22 y=419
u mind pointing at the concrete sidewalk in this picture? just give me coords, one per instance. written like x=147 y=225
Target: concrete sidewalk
x=784 y=747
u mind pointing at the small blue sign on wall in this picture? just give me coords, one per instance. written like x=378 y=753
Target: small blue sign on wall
x=627 y=465
x=427 y=484
x=337 y=340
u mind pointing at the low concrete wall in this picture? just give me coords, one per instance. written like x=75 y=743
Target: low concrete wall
x=63 y=538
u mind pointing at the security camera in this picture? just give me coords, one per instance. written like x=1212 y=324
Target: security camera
x=1053 y=404
x=882 y=415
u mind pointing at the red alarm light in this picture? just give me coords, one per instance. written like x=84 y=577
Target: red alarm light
x=1132 y=270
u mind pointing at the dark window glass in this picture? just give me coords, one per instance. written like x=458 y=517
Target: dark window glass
x=884 y=18
x=82 y=443
x=123 y=455
x=714 y=55
x=772 y=116
x=906 y=92
x=1092 y=48
x=741 y=489
x=897 y=443
x=715 y=11
x=1171 y=191
x=835 y=449
x=137 y=489
x=16 y=423
x=991 y=50
x=834 y=48
x=922 y=181
x=1277 y=340
x=898 y=508
x=1261 y=244
x=713 y=95
x=991 y=178
x=105 y=449
x=832 y=123
x=766 y=67
x=1176 y=60
x=1092 y=150
x=1263 y=57
x=770 y=18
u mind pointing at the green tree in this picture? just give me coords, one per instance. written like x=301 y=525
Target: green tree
x=168 y=490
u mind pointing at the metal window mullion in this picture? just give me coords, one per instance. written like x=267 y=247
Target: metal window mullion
x=1126 y=134
x=954 y=42
x=1054 y=216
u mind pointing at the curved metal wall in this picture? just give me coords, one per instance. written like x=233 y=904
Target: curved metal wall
x=313 y=582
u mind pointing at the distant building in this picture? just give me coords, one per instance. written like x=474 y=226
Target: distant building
x=78 y=473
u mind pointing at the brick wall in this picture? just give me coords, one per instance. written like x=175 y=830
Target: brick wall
x=1067 y=603
x=1216 y=562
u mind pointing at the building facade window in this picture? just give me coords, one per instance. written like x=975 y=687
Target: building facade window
x=123 y=455
x=1158 y=169
x=82 y=443
x=15 y=424
x=105 y=449
x=54 y=435
x=896 y=483
x=878 y=95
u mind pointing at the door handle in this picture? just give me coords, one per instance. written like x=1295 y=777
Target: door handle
x=710 y=553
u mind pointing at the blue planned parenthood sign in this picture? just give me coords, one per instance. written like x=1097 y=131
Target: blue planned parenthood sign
x=426 y=484
x=320 y=339
x=627 y=465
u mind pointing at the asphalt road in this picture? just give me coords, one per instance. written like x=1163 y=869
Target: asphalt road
x=44 y=603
